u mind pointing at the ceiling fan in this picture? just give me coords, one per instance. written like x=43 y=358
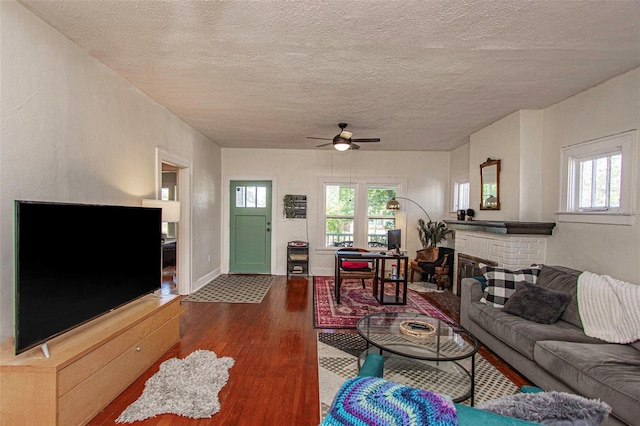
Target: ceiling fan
x=342 y=141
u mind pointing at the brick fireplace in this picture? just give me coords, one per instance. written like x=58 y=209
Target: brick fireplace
x=510 y=245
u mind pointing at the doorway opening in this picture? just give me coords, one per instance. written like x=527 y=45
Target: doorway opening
x=173 y=183
x=169 y=192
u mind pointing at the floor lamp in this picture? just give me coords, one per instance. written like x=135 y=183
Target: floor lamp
x=393 y=204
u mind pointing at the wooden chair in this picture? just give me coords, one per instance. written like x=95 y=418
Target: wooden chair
x=434 y=263
x=353 y=268
x=429 y=254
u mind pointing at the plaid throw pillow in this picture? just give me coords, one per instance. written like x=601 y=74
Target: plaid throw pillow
x=501 y=283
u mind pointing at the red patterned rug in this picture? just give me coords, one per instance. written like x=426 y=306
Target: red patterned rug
x=356 y=302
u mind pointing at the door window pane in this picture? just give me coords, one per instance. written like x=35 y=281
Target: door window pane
x=240 y=194
x=261 y=196
x=251 y=196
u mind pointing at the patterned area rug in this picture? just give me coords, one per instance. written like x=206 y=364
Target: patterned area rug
x=337 y=361
x=356 y=302
x=233 y=289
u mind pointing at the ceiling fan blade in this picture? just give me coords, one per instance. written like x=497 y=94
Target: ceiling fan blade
x=322 y=139
x=324 y=144
x=355 y=146
x=365 y=140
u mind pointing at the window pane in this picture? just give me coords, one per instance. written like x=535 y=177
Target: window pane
x=262 y=197
x=601 y=181
x=377 y=231
x=615 y=180
x=340 y=200
x=462 y=196
x=585 y=177
x=377 y=201
x=240 y=196
x=339 y=232
x=164 y=194
x=251 y=196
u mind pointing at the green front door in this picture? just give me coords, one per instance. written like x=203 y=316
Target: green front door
x=250 y=218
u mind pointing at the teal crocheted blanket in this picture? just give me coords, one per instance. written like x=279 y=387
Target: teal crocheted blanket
x=372 y=401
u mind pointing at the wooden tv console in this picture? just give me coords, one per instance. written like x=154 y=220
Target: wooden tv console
x=89 y=366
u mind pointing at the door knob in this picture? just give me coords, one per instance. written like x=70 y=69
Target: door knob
x=268 y=229
x=268 y=223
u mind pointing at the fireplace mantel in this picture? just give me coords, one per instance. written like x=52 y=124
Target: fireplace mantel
x=502 y=227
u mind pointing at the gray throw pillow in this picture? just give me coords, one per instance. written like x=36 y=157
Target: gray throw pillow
x=535 y=303
x=550 y=408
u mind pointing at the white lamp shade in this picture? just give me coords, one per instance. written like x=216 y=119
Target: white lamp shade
x=170 y=209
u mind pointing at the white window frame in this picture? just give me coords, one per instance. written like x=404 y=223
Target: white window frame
x=625 y=144
x=361 y=218
x=368 y=218
x=456 y=195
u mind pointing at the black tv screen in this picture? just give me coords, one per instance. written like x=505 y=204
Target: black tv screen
x=393 y=239
x=75 y=262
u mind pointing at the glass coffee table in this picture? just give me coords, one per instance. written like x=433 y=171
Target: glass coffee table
x=437 y=355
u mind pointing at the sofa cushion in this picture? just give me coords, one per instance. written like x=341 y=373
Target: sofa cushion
x=522 y=334
x=501 y=283
x=610 y=372
x=562 y=279
x=536 y=303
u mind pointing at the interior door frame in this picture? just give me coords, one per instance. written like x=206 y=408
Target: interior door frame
x=226 y=219
x=185 y=172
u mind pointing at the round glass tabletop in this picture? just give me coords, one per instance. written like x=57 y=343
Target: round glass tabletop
x=417 y=336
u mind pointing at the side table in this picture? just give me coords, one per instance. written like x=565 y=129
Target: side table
x=399 y=280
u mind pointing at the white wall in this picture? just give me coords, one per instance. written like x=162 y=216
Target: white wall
x=74 y=131
x=530 y=200
x=498 y=141
x=297 y=172
x=529 y=144
x=609 y=108
x=458 y=170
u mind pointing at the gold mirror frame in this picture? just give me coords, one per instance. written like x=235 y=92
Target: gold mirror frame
x=490 y=185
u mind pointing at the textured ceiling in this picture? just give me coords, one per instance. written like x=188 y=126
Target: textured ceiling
x=420 y=75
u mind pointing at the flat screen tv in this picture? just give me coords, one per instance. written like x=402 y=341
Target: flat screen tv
x=393 y=239
x=75 y=262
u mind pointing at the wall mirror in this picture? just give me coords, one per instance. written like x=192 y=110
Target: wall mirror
x=490 y=185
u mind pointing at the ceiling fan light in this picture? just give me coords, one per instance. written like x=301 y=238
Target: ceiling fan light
x=341 y=145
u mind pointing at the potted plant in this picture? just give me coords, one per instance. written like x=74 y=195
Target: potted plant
x=289 y=206
x=432 y=233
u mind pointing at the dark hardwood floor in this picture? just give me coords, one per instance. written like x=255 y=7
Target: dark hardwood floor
x=275 y=377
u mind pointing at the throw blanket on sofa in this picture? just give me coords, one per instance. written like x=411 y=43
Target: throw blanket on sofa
x=609 y=309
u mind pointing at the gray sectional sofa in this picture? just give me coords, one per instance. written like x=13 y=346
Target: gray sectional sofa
x=558 y=356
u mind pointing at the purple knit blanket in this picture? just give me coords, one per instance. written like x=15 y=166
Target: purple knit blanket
x=373 y=401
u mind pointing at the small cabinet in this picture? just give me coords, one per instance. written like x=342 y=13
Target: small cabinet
x=298 y=258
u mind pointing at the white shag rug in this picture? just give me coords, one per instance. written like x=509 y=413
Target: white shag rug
x=187 y=387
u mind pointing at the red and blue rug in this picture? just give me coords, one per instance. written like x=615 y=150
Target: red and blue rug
x=356 y=302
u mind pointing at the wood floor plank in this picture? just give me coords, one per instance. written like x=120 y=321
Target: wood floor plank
x=275 y=377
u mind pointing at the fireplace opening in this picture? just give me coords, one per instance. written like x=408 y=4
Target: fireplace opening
x=468 y=268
